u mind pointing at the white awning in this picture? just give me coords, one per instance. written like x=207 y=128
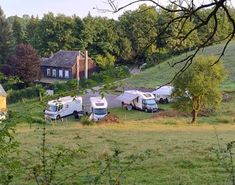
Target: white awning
x=127 y=97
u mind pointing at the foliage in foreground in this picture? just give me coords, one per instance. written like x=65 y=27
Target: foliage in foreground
x=198 y=87
x=226 y=158
x=9 y=165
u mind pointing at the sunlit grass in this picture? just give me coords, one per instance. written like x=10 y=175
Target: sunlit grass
x=163 y=73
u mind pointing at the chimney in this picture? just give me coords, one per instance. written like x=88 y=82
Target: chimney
x=86 y=64
x=77 y=65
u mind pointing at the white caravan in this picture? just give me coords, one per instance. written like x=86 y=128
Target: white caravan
x=64 y=106
x=163 y=94
x=99 y=108
x=138 y=100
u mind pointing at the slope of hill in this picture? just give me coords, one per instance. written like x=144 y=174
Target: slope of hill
x=163 y=73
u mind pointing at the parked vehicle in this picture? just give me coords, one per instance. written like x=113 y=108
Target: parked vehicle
x=63 y=107
x=98 y=108
x=138 y=100
x=163 y=94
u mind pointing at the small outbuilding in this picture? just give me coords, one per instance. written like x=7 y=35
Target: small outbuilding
x=3 y=99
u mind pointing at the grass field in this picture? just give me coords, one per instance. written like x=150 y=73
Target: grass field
x=179 y=153
x=163 y=73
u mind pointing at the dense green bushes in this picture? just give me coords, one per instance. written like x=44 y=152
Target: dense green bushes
x=106 y=76
x=14 y=96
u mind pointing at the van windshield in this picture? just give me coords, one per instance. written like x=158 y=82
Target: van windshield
x=150 y=102
x=100 y=111
x=51 y=108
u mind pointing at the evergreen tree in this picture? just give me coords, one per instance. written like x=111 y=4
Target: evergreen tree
x=31 y=31
x=18 y=32
x=6 y=39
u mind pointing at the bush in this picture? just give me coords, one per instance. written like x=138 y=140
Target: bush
x=27 y=93
x=86 y=121
x=106 y=76
x=69 y=85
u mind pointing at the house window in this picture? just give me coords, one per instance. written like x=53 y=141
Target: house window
x=60 y=73
x=66 y=74
x=48 y=72
x=54 y=72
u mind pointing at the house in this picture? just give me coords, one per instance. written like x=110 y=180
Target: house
x=65 y=65
x=3 y=99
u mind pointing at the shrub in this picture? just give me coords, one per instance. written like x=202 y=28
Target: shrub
x=69 y=85
x=27 y=93
x=106 y=76
x=86 y=121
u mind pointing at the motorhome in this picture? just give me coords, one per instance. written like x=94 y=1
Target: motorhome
x=138 y=100
x=163 y=94
x=63 y=107
x=98 y=108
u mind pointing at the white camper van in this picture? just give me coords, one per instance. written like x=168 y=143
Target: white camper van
x=64 y=106
x=163 y=94
x=98 y=107
x=138 y=100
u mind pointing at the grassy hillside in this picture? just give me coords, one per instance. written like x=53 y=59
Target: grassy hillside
x=160 y=74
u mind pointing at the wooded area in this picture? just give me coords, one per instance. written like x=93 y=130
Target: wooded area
x=136 y=37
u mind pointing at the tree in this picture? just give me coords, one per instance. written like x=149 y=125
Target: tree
x=199 y=86
x=18 y=32
x=31 y=32
x=55 y=33
x=26 y=63
x=105 y=62
x=139 y=27
x=187 y=11
x=100 y=36
x=6 y=39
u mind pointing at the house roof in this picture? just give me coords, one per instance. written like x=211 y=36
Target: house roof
x=2 y=91
x=61 y=59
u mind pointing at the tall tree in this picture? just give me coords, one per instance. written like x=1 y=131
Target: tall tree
x=6 y=39
x=55 y=33
x=79 y=27
x=26 y=63
x=140 y=27
x=199 y=86
x=31 y=32
x=18 y=31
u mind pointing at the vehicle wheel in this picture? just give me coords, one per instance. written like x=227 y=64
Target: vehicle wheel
x=166 y=100
x=58 y=117
x=75 y=113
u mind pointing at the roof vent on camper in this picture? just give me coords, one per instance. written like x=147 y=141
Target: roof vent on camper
x=147 y=95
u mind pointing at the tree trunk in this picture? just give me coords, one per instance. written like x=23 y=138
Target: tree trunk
x=194 y=114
